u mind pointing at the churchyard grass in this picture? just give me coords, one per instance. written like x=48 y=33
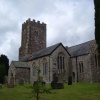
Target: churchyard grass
x=77 y=91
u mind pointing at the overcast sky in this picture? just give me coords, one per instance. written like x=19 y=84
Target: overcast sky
x=68 y=21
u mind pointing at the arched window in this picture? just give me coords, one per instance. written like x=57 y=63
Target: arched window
x=45 y=67
x=81 y=69
x=61 y=61
x=34 y=70
x=96 y=58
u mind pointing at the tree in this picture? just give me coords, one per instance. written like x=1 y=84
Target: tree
x=38 y=87
x=97 y=25
x=2 y=72
x=4 y=61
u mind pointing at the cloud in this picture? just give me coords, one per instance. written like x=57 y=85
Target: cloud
x=68 y=21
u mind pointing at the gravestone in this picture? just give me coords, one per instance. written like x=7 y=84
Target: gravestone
x=11 y=84
x=0 y=86
x=12 y=80
x=5 y=79
x=55 y=84
x=70 y=80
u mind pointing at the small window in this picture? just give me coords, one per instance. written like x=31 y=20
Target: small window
x=81 y=67
x=63 y=63
x=45 y=68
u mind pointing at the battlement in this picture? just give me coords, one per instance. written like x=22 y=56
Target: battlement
x=33 y=23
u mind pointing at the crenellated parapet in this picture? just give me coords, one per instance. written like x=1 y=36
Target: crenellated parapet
x=32 y=24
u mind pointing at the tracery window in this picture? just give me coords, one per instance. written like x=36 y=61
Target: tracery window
x=45 y=67
x=61 y=61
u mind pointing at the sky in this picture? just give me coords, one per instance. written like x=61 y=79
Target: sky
x=70 y=22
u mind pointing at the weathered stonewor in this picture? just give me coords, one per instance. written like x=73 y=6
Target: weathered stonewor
x=11 y=84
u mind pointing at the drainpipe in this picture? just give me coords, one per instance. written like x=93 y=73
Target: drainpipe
x=77 y=68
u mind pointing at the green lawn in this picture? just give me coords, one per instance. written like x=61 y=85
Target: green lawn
x=77 y=91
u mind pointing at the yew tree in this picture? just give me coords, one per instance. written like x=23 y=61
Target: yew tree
x=97 y=25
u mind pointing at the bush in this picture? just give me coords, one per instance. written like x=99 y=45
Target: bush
x=70 y=80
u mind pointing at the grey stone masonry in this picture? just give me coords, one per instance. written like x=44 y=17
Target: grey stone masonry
x=22 y=74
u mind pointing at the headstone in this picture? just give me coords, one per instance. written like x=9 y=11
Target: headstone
x=5 y=79
x=70 y=80
x=11 y=84
x=12 y=80
x=0 y=86
x=55 y=84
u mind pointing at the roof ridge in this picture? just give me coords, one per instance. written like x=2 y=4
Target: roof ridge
x=43 y=52
x=46 y=48
x=81 y=43
x=55 y=44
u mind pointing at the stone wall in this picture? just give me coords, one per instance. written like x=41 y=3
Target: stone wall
x=22 y=74
x=62 y=75
x=11 y=72
x=52 y=66
x=19 y=74
x=84 y=76
x=94 y=63
x=91 y=70
x=38 y=63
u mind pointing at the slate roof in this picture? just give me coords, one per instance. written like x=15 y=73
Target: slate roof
x=20 y=64
x=43 y=52
x=81 y=49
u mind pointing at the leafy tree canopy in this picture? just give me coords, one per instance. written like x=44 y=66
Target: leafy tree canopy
x=4 y=61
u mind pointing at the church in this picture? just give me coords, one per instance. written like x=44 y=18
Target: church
x=79 y=61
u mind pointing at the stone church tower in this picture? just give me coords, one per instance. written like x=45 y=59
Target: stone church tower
x=33 y=38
